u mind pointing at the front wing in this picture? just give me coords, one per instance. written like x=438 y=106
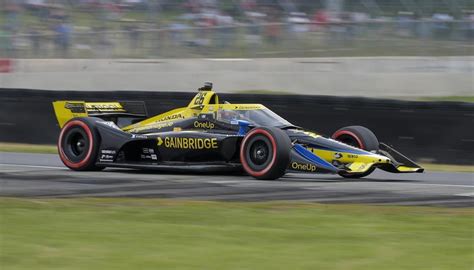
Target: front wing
x=387 y=159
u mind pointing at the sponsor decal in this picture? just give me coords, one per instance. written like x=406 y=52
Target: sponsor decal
x=352 y=156
x=187 y=143
x=247 y=107
x=205 y=125
x=104 y=106
x=139 y=136
x=337 y=155
x=303 y=167
x=152 y=157
x=75 y=107
x=148 y=153
x=157 y=125
x=107 y=155
x=172 y=117
x=199 y=98
x=148 y=150
x=110 y=124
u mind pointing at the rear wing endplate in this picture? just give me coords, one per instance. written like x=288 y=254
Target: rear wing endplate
x=66 y=110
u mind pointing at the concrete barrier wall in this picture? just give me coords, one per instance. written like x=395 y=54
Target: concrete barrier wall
x=426 y=131
x=356 y=76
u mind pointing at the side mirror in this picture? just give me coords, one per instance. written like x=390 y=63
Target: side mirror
x=206 y=116
x=243 y=127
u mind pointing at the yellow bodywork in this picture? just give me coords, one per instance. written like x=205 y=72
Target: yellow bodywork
x=68 y=109
x=64 y=114
x=356 y=162
x=407 y=169
x=203 y=102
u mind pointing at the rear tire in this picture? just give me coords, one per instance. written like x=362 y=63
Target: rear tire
x=78 y=145
x=360 y=137
x=265 y=153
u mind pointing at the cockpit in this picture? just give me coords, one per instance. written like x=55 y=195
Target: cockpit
x=256 y=117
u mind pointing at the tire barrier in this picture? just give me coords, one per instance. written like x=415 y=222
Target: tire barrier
x=440 y=132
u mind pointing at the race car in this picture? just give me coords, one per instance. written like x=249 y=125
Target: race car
x=209 y=135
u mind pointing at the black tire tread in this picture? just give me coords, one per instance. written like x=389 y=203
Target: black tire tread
x=91 y=165
x=371 y=143
x=283 y=144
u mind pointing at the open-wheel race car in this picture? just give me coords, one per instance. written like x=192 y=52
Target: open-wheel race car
x=209 y=135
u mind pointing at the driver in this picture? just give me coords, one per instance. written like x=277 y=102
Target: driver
x=229 y=116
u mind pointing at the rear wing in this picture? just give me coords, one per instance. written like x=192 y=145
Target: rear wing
x=130 y=111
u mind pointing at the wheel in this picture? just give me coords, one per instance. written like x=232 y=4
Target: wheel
x=360 y=137
x=265 y=153
x=78 y=145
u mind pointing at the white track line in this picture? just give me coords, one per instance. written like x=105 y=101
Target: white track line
x=471 y=194
x=388 y=183
x=31 y=166
x=405 y=183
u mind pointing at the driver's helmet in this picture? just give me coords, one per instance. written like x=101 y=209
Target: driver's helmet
x=228 y=115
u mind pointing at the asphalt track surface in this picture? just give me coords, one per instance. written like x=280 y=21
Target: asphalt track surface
x=43 y=175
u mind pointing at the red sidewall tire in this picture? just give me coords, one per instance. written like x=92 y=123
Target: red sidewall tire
x=362 y=137
x=339 y=133
x=87 y=163
x=273 y=141
x=243 y=160
x=365 y=140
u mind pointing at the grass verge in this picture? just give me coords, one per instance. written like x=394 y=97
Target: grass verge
x=469 y=99
x=173 y=234
x=28 y=148
x=447 y=167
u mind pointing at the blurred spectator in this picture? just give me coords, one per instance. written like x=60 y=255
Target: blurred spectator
x=225 y=25
x=248 y=5
x=253 y=34
x=135 y=4
x=359 y=20
x=469 y=17
x=406 y=24
x=57 y=12
x=177 y=32
x=12 y=16
x=442 y=24
x=273 y=30
x=35 y=40
x=63 y=37
x=35 y=5
x=299 y=22
x=5 y=43
x=225 y=30
x=320 y=19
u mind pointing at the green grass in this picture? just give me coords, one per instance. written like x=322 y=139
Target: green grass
x=469 y=99
x=447 y=167
x=166 y=234
x=28 y=148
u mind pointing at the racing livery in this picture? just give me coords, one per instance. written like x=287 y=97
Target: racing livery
x=209 y=135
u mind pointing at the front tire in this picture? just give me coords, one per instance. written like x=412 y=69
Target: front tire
x=78 y=145
x=265 y=153
x=360 y=137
